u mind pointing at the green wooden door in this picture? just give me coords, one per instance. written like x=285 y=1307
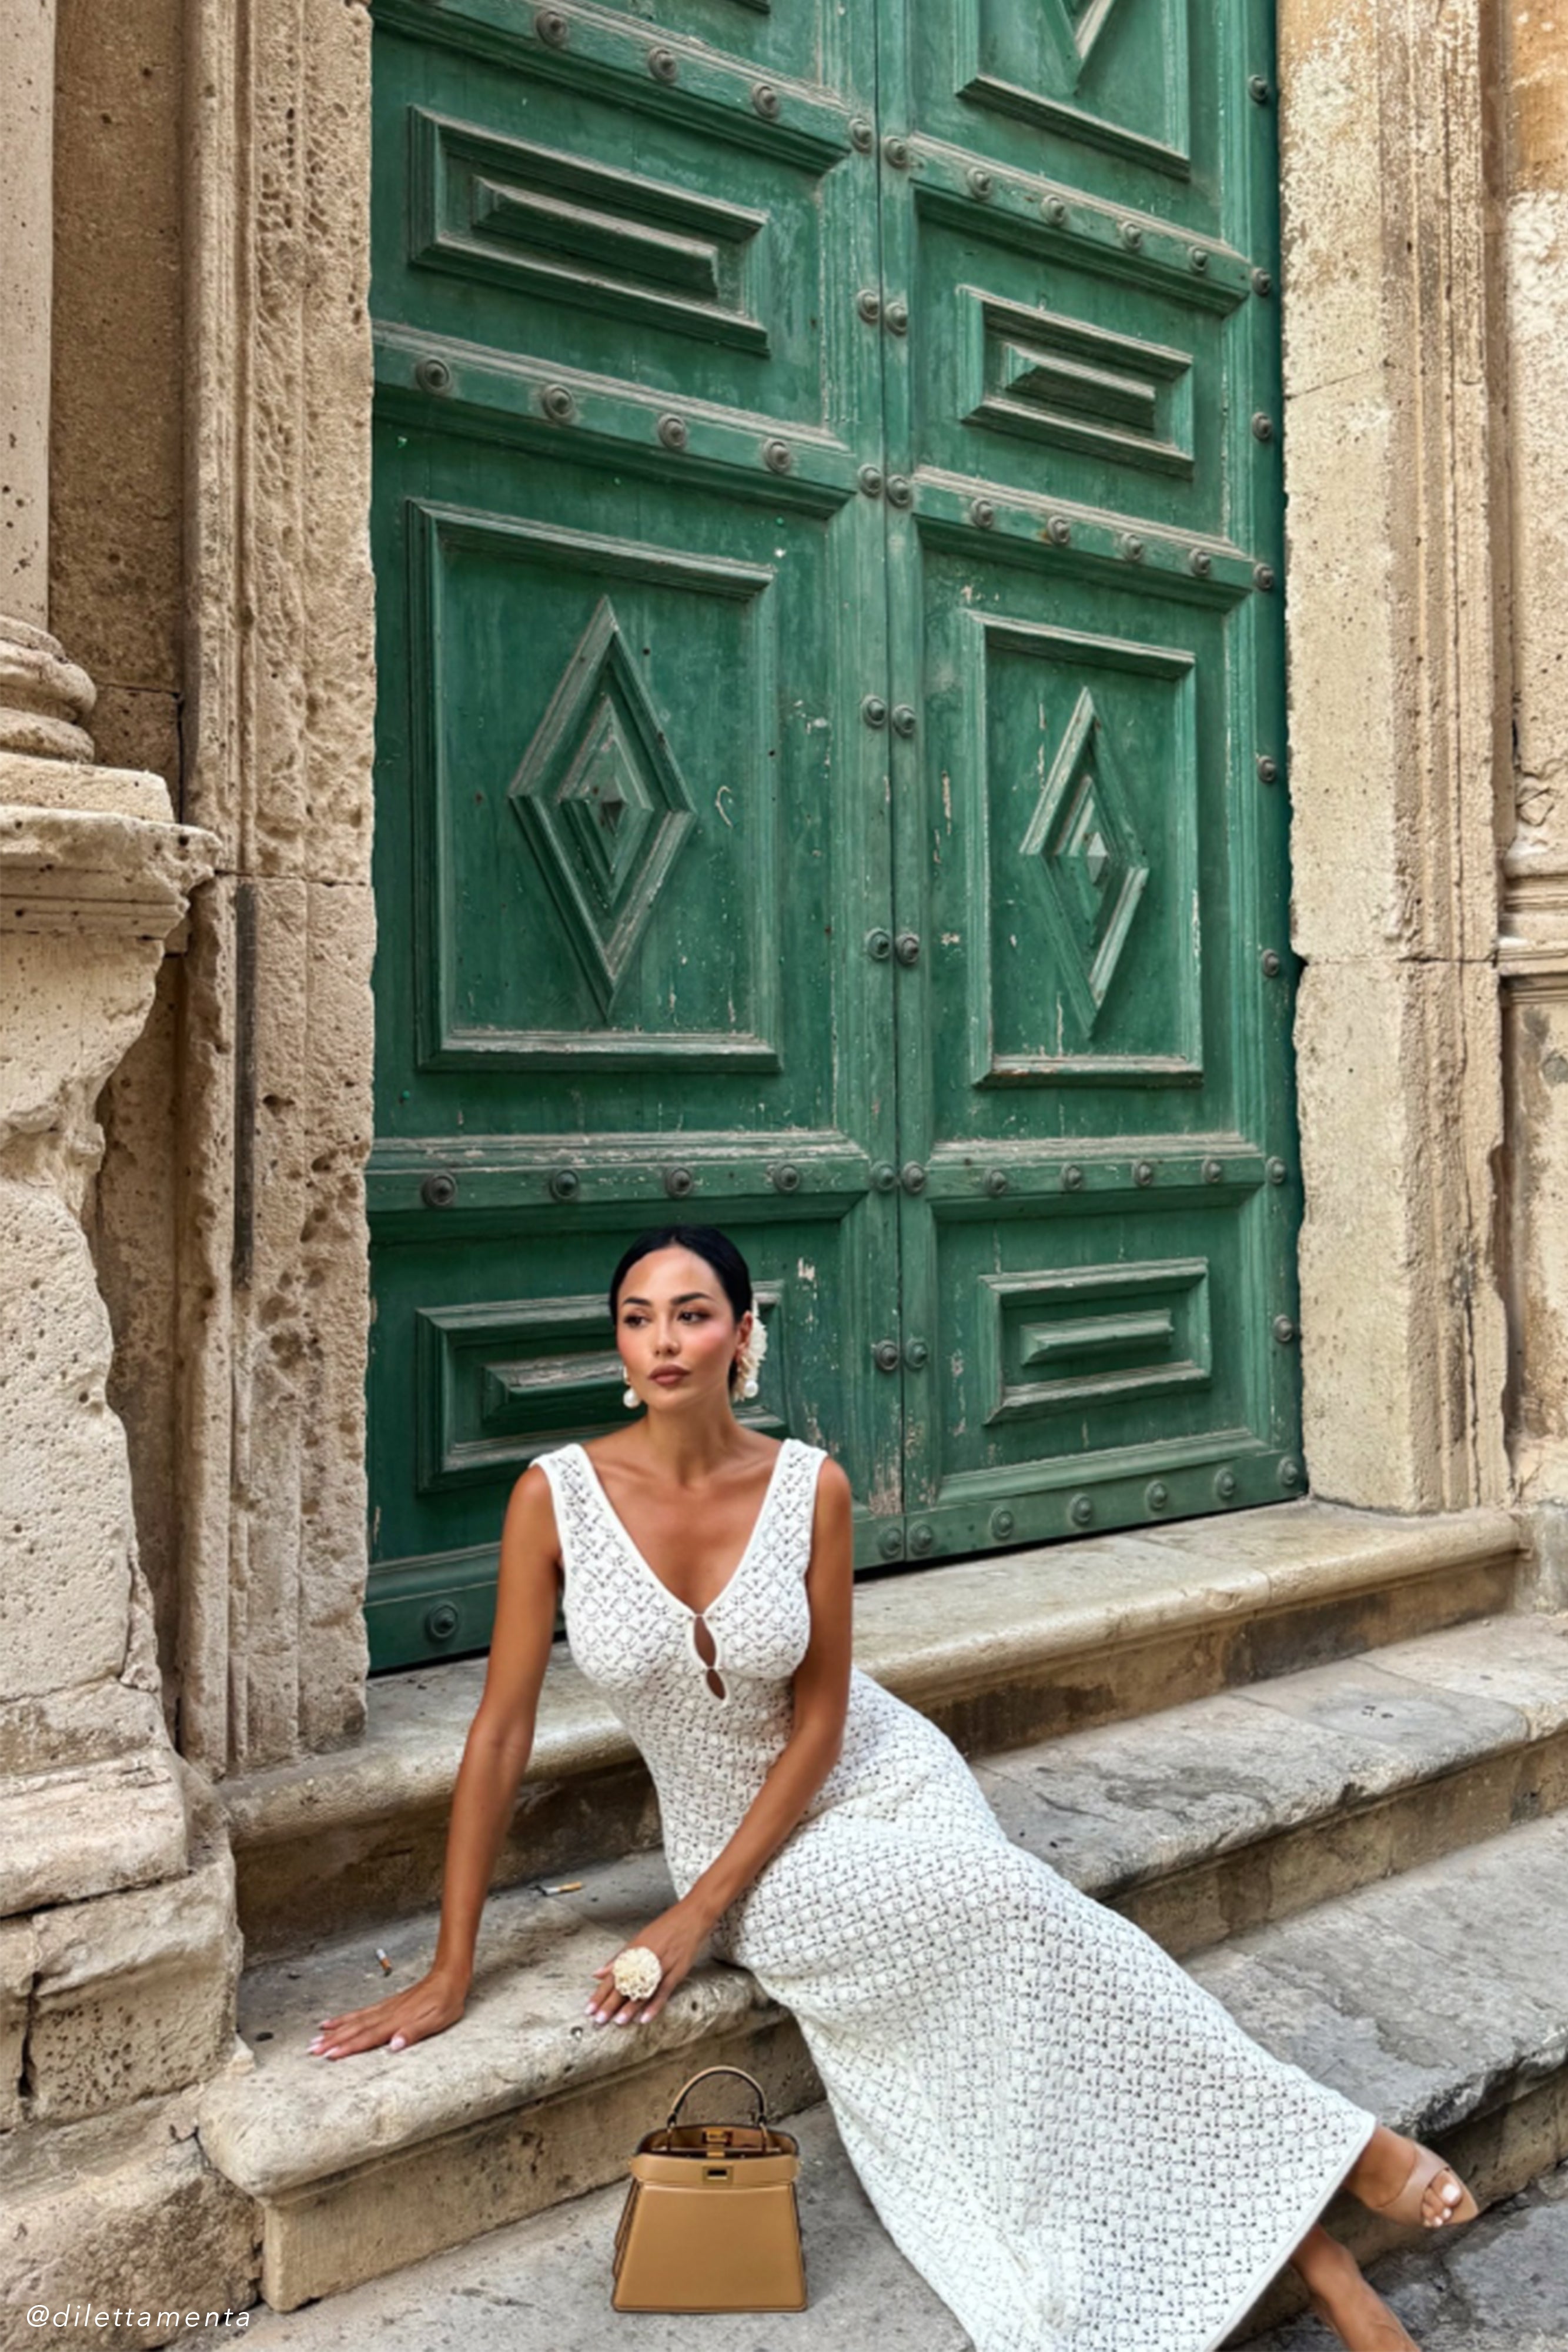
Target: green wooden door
x=830 y=725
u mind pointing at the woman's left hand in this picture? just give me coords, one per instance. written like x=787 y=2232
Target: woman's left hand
x=676 y=1937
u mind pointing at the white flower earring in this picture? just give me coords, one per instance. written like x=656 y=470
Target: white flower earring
x=628 y=1394
x=747 y=1359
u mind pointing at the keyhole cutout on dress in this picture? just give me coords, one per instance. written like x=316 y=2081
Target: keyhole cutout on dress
x=709 y=1656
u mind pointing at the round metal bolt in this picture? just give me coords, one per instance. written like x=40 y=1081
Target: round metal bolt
x=982 y=513
x=1276 y=1171
x=1131 y=546
x=897 y=318
x=1055 y=210
x=663 y=64
x=1262 y=575
x=900 y=490
x=870 y=479
x=778 y=457
x=1197 y=257
x=552 y=26
x=565 y=1184
x=980 y=181
x=1073 y=1177
x=673 y=432
x=433 y=375
x=1284 y=1330
x=903 y=718
x=868 y=302
x=439 y=1190
x=912 y=1176
x=1081 y=1510
x=558 y=403
x=1213 y=1171
x=996 y=1180
x=1002 y=1522
x=873 y=711
x=1268 y=768
x=441 y=1622
x=906 y=948
x=862 y=138
x=1200 y=561
x=1262 y=425
x=1131 y=233
x=1157 y=1494
x=1289 y=1473
x=884 y=1355
x=890 y=1543
x=1258 y=89
x=678 y=1182
x=764 y=98
x=1059 y=531
x=1225 y=1484
x=884 y=1176
x=1143 y=1172
x=896 y=151
x=787 y=1177
x=922 y=1537
x=1261 y=282
x=916 y=1355
x=1269 y=961
x=879 y=945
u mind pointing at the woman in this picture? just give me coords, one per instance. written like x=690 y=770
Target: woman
x=1071 y=2141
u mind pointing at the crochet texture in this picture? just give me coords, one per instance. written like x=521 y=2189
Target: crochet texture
x=1070 y=2141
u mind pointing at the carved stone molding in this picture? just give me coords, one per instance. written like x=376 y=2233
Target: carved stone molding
x=277 y=1036
x=1396 y=532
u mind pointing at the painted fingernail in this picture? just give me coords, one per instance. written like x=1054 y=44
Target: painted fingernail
x=398 y=2042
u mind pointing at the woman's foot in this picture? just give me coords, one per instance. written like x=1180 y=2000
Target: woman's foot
x=1403 y=2180
x=1343 y=2301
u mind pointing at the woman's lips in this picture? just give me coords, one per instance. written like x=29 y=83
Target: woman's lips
x=667 y=1379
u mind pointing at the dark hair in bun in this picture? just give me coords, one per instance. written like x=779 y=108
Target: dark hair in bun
x=705 y=1241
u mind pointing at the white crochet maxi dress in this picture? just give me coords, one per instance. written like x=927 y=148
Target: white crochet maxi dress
x=1070 y=2141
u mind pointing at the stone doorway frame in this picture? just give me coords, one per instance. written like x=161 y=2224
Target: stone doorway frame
x=1400 y=779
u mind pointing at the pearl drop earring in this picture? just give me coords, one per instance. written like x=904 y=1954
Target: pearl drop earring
x=628 y=1394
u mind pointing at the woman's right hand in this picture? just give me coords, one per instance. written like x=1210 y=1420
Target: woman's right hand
x=428 y=2007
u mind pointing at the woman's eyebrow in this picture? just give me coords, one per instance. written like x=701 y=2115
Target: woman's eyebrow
x=680 y=1299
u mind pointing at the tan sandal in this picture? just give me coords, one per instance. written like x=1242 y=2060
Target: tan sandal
x=1425 y=2166
x=1391 y=2334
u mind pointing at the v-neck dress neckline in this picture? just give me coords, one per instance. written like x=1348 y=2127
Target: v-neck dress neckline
x=619 y=1524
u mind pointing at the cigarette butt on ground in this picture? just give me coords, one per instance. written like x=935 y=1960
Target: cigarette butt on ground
x=386 y=1964
x=567 y=1887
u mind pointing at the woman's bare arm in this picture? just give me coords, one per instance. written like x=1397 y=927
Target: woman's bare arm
x=495 y=1758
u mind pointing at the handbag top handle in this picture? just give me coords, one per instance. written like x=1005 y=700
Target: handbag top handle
x=703 y=2072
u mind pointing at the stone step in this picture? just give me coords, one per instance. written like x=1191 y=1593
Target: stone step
x=1501 y=2285
x=1201 y=1821
x=1015 y=1647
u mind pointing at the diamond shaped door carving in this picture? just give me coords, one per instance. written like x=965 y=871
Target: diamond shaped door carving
x=600 y=797
x=1081 y=843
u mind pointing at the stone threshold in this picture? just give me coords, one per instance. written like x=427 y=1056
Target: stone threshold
x=1260 y=1827
x=1000 y=1651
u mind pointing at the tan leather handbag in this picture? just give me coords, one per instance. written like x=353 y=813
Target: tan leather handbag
x=710 y=2222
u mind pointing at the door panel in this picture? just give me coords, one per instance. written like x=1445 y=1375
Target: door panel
x=1094 y=1091
x=630 y=817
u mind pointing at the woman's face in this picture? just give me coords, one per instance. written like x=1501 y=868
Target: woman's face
x=676 y=1330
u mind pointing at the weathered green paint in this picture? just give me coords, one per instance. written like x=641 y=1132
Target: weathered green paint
x=727 y=635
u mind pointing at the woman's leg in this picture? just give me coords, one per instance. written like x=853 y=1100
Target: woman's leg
x=1343 y=2299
